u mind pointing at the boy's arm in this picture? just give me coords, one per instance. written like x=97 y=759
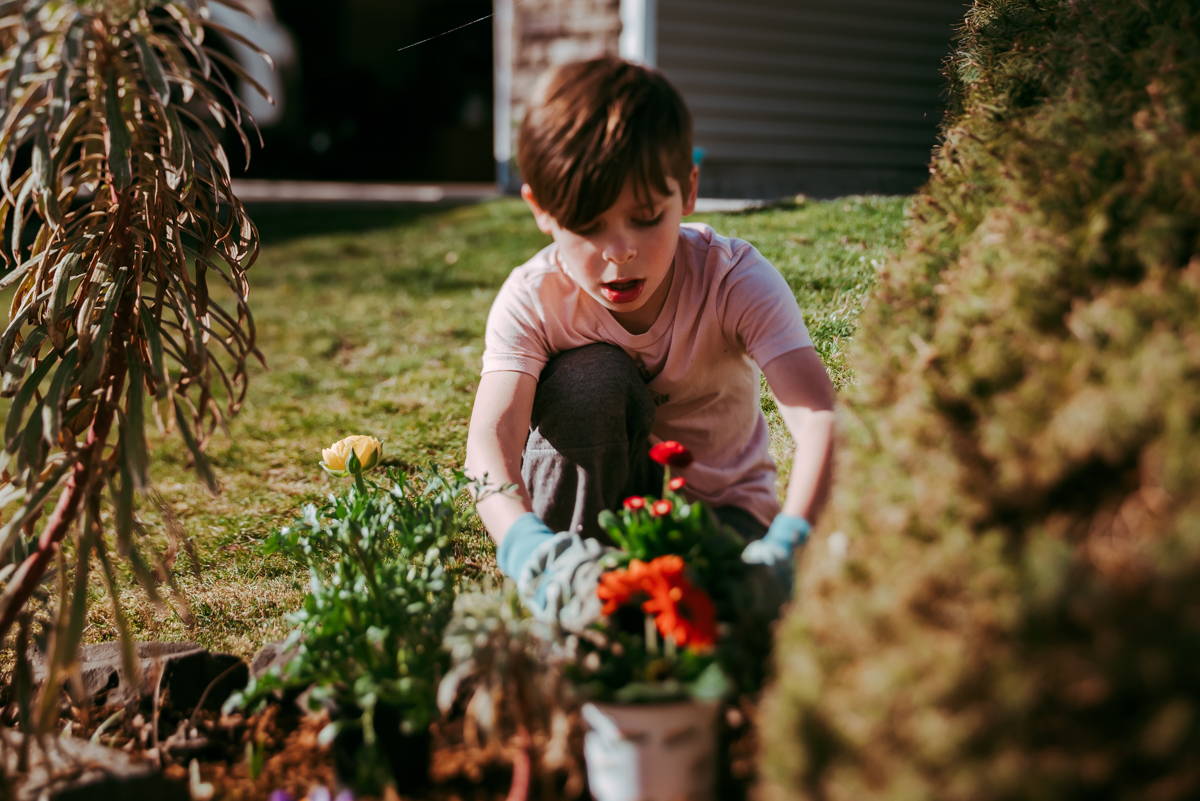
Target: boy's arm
x=556 y=574
x=805 y=398
x=495 y=442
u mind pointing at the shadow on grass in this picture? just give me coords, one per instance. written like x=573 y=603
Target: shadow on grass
x=281 y=222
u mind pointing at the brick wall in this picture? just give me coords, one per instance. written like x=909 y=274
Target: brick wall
x=543 y=33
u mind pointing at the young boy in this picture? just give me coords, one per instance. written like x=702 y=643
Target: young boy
x=631 y=328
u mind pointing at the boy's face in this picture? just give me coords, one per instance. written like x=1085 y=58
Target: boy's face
x=623 y=258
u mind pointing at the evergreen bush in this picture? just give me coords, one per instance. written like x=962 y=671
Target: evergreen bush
x=1016 y=615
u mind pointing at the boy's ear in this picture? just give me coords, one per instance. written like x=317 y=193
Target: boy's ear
x=545 y=222
x=689 y=202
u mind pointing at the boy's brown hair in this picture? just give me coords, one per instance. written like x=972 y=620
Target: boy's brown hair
x=595 y=124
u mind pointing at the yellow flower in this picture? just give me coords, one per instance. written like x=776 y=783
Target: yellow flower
x=336 y=458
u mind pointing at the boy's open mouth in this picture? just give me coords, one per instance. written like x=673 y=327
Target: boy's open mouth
x=622 y=291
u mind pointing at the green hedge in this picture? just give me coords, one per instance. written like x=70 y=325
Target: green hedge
x=1017 y=615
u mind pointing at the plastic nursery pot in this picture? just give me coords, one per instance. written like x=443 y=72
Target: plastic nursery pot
x=406 y=756
x=651 y=752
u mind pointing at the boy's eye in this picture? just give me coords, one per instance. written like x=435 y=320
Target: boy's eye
x=653 y=221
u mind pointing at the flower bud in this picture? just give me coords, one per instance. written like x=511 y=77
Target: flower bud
x=336 y=458
x=671 y=454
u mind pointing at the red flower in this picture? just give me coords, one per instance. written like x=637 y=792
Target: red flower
x=660 y=508
x=671 y=453
x=677 y=483
x=635 y=502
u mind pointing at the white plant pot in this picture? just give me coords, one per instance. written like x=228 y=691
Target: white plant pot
x=651 y=752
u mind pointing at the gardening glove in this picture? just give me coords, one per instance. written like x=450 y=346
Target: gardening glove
x=556 y=574
x=523 y=538
x=770 y=561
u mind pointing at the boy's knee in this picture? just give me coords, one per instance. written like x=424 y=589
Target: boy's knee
x=584 y=392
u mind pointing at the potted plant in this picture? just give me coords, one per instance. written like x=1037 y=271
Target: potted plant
x=652 y=669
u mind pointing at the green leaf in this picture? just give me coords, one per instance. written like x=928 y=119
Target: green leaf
x=712 y=684
x=73 y=633
x=154 y=338
x=18 y=68
x=14 y=371
x=129 y=662
x=18 y=221
x=52 y=403
x=44 y=184
x=123 y=497
x=32 y=455
x=200 y=461
x=133 y=434
x=60 y=292
x=116 y=135
x=12 y=529
x=154 y=70
x=16 y=412
x=89 y=373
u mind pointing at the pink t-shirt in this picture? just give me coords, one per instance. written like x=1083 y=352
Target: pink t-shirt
x=727 y=313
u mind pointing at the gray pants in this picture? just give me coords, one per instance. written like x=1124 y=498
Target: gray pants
x=588 y=447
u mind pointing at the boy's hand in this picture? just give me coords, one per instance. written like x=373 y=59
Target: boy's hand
x=556 y=574
x=773 y=555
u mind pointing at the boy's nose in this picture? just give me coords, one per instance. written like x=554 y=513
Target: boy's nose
x=619 y=253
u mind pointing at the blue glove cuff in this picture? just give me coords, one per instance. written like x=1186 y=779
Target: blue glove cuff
x=788 y=531
x=523 y=538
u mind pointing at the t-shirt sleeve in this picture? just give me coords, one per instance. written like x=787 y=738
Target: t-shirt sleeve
x=515 y=339
x=759 y=310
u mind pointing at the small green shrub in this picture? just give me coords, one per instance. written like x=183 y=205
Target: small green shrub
x=369 y=635
x=1015 y=617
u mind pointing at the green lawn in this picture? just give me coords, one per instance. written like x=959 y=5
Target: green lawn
x=371 y=321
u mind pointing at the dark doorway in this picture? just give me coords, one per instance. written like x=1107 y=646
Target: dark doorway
x=357 y=107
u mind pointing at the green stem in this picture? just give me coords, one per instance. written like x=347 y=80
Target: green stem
x=651 y=635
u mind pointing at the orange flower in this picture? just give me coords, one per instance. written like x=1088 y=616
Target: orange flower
x=635 y=502
x=682 y=611
x=677 y=483
x=618 y=587
x=660 y=508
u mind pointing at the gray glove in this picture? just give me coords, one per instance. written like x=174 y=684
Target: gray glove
x=558 y=581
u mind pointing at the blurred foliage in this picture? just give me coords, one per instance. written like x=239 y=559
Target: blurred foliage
x=117 y=213
x=1015 y=616
x=507 y=680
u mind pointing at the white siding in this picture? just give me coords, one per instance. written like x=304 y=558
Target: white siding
x=816 y=96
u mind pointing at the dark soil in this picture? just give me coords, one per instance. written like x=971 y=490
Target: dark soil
x=281 y=745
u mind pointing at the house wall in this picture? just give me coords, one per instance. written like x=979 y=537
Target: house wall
x=530 y=37
x=821 y=97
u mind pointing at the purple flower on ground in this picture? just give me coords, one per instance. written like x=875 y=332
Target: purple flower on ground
x=344 y=795
x=280 y=795
x=320 y=793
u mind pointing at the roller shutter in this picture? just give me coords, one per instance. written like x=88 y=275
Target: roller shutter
x=813 y=96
